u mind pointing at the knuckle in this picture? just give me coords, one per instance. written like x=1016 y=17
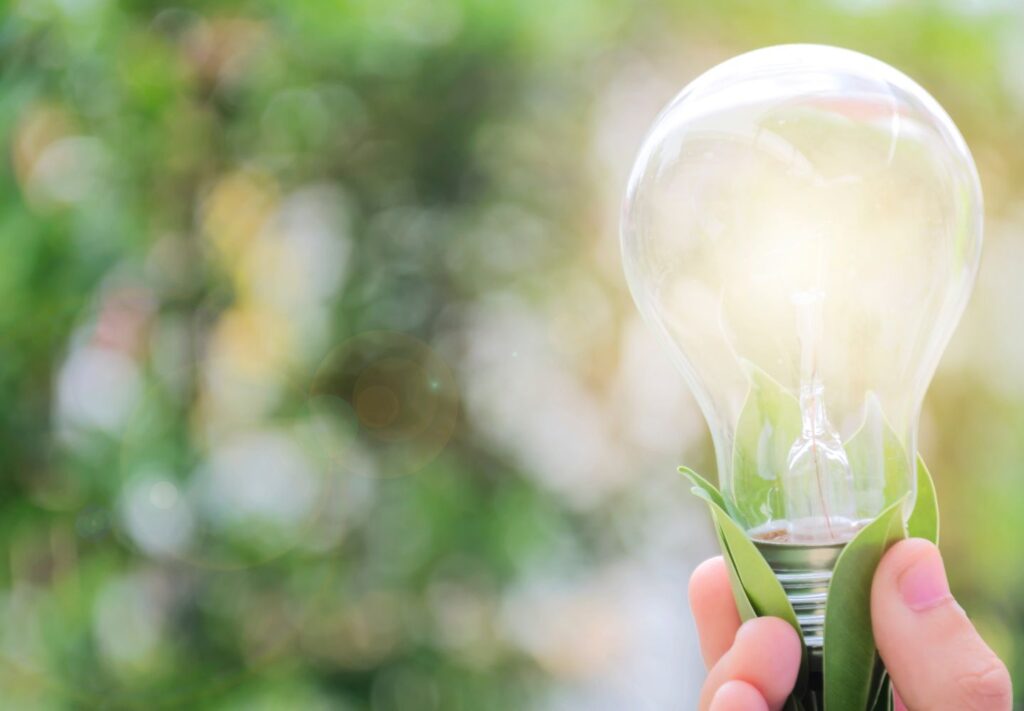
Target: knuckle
x=988 y=688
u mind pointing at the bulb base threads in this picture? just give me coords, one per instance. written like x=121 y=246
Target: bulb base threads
x=805 y=572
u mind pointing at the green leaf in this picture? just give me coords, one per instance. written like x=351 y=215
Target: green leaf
x=881 y=688
x=762 y=587
x=703 y=485
x=704 y=489
x=924 y=519
x=850 y=654
x=739 y=593
x=768 y=426
x=763 y=590
x=878 y=460
x=755 y=588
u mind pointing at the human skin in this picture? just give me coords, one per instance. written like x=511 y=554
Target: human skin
x=935 y=657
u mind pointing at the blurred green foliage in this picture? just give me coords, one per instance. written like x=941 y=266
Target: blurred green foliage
x=201 y=202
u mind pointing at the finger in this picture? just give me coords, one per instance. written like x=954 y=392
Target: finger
x=765 y=655
x=935 y=657
x=714 y=609
x=738 y=696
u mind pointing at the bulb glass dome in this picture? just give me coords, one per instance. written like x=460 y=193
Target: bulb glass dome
x=803 y=226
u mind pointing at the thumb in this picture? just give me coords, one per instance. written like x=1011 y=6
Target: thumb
x=934 y=655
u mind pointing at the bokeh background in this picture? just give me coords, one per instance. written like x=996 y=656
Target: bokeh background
x=321 y=387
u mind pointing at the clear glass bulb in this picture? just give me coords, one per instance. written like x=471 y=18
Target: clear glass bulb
x=803 y=226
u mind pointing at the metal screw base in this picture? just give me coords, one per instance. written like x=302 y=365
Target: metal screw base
x=805 y=573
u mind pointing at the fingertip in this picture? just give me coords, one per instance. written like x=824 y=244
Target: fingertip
x=775 y=643
x=713 y=609
x=708 y=580
x=738 y=696
x=767 y=655
x=911 y=572
x=931 y=650
x=771 y=627
x=901 y=556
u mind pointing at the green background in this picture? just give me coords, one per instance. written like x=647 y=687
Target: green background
x=203 y=206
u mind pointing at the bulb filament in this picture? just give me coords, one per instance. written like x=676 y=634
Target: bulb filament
x=818 y=483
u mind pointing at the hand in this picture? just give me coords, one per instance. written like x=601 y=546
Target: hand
x=931 y=650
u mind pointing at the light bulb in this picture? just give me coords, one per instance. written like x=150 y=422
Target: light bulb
x=803 y=226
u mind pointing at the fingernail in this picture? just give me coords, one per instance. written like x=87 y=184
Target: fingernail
x=923 y=585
